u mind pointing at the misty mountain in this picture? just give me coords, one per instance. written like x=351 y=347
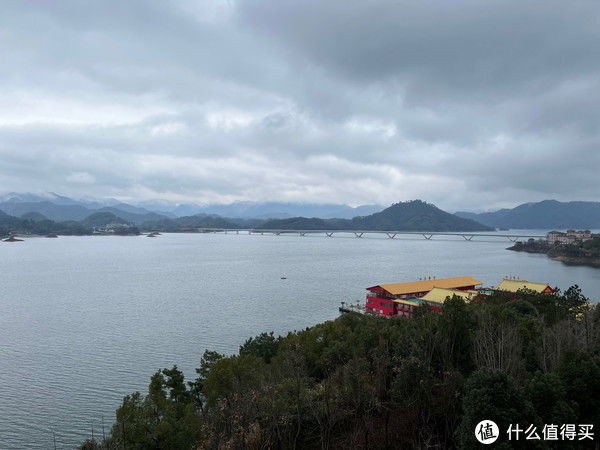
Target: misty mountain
x=546 y=214
x=129 y=216
x=35 y=216
x=265 y=210
x=60 y=212
x=240 y=210
x=53 y=211
x=413 y=215
x=15 y=197
x=9 y=222
x=28 y=225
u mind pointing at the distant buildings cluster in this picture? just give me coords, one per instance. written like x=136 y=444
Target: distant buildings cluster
x=401 y=299
x=110 y=228
x=568 y=237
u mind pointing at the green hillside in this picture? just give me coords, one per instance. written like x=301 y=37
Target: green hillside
x=415 y=215
x=546 y=214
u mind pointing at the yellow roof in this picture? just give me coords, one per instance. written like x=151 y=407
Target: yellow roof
x=408 y=302
x=440 y=294
x=427 y=285
x=515 y=285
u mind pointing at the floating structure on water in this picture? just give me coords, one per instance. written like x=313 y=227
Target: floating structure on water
x=401 y=299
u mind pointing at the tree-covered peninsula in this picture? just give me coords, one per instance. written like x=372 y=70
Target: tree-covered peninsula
x=587 y=252
x=369 y=382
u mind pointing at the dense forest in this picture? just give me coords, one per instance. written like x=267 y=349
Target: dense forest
x=369 y=382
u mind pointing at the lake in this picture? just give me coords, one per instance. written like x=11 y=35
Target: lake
x=87 y=320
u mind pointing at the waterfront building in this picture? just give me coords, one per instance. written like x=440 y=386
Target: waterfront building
x=434 y=299
x=439 y=295
x=568 y=237
x=401 y=298
x=508 y=285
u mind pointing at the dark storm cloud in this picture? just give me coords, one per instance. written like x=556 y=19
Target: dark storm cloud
x=467 y=104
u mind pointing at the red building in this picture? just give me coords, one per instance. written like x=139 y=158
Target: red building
x=401 y=298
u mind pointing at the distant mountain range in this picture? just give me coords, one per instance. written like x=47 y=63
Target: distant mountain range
x=546 y=214
x=264 y=210
x=59 y=208
x=64 y=212
x=413 y=215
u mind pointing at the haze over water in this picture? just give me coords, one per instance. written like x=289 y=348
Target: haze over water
x=87 y=320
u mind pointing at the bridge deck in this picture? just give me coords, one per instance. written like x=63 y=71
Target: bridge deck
x=390 y=233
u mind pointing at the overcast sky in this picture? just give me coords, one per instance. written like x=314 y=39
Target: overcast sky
x=468 y=104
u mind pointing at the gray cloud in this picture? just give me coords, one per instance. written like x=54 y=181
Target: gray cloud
x=467 y=104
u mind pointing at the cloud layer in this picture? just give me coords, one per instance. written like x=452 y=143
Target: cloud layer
x=468 y=104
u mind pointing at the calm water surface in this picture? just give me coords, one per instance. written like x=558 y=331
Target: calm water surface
x=87 y=320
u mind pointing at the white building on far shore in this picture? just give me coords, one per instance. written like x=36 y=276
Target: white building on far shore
x=568 y=237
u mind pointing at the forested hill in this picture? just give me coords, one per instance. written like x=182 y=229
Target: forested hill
x=38 y=224
x=546 y=214
x=362 y=382
x=415 y=215
x=76 y=212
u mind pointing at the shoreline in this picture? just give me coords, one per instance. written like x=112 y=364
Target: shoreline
x=577 y=261
x=568 y=260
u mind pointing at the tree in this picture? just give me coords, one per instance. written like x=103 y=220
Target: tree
x=455 y=335
x=208 y=360
x=493 y=396
x=580 y=375
x=165 y=418
x=264 y=346
x=549 y=398
x=573 y=301
x=230 y=375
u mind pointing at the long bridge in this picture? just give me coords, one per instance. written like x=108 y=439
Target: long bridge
x=360 y=233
